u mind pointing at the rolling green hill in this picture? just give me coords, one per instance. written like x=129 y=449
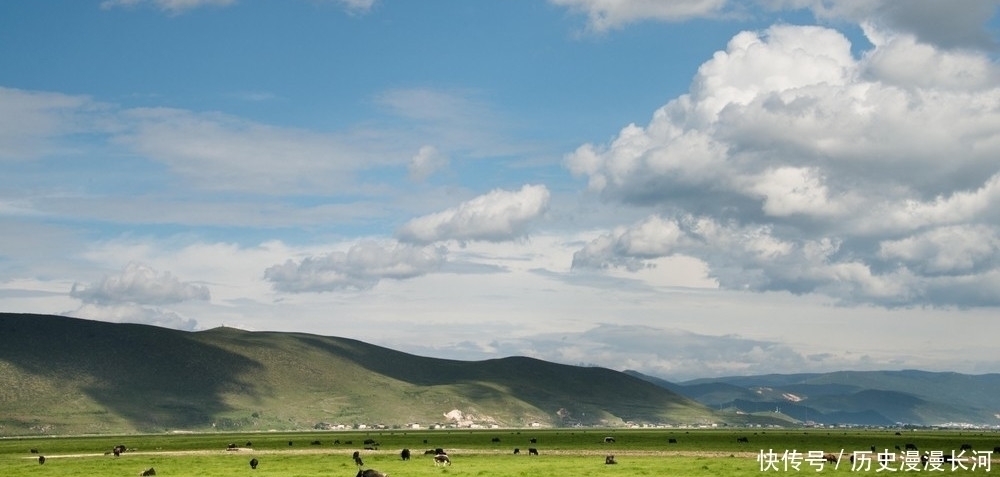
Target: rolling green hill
x=64 y=375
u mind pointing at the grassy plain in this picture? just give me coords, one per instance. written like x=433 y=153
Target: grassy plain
x=562 y=452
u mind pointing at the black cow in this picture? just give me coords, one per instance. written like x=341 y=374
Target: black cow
x=148 y=472
x=370 y=441
x=439 y=451
x=289 y=443
x=671 y=441
x=231 y=446
x=966 y=447
x=41 y=459
x=610 y=459
x=609 y=440
x=996 y=450
x=495 y=440
x=371 y=473
x=34 y=451
x=533 y=440
x=315 y=443
x=405 y=454
x=357 y=458
x=118 y=450
x=532 y=451
x=253 y=463
x=249 y=444
x=910 y=446
x=517 y=450
x=742 y=439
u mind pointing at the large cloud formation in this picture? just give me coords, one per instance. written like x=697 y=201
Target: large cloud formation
x=792 y=165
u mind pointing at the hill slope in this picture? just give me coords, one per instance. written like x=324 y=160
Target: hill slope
x=65 y=375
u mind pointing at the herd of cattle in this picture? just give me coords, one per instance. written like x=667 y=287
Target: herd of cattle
x=440 y=456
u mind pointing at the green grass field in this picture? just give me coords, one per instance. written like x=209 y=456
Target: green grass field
x=562 y=452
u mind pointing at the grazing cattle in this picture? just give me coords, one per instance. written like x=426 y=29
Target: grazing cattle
x=371 y=473
x=442 y=459
x=533 y=440
x=336 y=441
x=315 y=443
x=253 y=463
x=357 y=458
x=405 y=454
x=608 y=440
x=610 y=459
x=34 y=451
x=289 y=443
x=439 y=451
x=873 y=448
x=118 y=449
x=910 y=446
x=897 y=448
x=231 y=447
x=148 y=472
x=369 y=442
x=966 y=447
x=996 y=450
x=743 y=440
x=429 y=452
x=831 y=458
x=517 y=451
x=41 y=459
x=532 y=451
x=495 y=440
x=249 y=444
x=671 y=441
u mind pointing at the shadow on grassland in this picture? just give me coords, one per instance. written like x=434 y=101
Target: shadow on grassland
x=154 y=378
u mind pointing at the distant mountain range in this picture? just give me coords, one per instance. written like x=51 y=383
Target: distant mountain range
x=872 y=398
x=61 y=375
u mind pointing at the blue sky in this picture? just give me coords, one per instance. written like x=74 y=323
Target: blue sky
x=689 y=189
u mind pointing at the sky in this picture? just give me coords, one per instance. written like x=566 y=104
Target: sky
x=689 y=188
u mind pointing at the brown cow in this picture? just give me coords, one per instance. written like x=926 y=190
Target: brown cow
x=610 y=459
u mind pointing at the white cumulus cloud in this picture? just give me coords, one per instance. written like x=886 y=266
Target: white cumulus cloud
x=359 y=268
x=793 y=165
x=496 y=216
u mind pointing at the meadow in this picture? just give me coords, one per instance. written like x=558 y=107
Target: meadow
x=563 y=452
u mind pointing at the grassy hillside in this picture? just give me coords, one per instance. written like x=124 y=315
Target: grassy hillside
x=64 y=375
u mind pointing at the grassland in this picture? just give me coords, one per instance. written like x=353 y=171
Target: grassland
x=562 y=452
